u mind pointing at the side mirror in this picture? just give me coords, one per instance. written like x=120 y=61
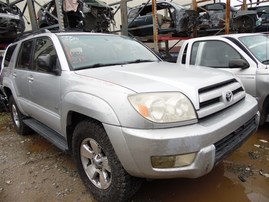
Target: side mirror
x=238 y=63
x=44 y=61
x=50 y=63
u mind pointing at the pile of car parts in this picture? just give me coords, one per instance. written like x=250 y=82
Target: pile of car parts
x=11 y=22
x=84 y=15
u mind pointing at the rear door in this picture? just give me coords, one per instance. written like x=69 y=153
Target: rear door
x=20 y=74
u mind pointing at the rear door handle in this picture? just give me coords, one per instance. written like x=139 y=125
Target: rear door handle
x=14 y=75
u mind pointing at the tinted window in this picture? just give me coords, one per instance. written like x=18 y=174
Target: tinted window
x=213 y=54
x=9 y=54
x=24 y=60
x=44 y=47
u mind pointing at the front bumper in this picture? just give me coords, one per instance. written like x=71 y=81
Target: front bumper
x=212 y=139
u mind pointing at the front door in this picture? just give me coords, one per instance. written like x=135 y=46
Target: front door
x=44 y=86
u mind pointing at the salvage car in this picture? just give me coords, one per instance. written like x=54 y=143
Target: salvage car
x=122 y=112
x=11 y=22
x=172 y=19
x=212 y=19
x=90 y=16
x=262 y=25
x=245 y=55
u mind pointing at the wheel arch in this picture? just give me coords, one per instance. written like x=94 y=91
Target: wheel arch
x=79 y=106
x=72 y=120
x=7 y=92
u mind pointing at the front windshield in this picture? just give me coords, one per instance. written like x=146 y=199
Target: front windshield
x=258 y=45
x=91 y=51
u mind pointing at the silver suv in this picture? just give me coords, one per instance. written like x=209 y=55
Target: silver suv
x=122 y=112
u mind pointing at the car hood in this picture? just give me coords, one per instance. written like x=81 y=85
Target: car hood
x=159 y=77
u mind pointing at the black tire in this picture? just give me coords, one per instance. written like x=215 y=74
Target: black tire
x=263 y=118
x=2 y=107
x=3 y=104
x=17 y=118
x=101 y=160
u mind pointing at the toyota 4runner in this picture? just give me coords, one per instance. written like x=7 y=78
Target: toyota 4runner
x=123 y=113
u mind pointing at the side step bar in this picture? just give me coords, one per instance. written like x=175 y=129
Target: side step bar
x=49 y=134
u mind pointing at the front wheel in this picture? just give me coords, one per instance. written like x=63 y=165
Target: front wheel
x=17 y=118
x=98 y=165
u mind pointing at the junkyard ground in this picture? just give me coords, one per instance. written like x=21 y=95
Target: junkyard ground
x=32 y=169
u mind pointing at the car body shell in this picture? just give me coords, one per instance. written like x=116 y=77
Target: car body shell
x=262 y=24
x=212 y=19
x=172 y=19
x=11 y=22
x=90 y=16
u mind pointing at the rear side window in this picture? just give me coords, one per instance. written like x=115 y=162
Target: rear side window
x=9 y=54
x=24 y=60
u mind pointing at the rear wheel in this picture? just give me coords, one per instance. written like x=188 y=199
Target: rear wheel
x=98 y=165
x=17 y=118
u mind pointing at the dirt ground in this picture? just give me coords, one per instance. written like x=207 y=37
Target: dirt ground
x=32 y=169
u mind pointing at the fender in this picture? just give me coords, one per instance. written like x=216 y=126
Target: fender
x=88 y=105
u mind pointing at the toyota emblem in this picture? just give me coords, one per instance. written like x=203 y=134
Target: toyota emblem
x=229 y=96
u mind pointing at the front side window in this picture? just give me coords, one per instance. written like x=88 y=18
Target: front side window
x=44 y=47
x=258 y=45
x=92 y=51
x=24 y=60
x=216 y=54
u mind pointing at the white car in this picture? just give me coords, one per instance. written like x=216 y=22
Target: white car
x=245 y=55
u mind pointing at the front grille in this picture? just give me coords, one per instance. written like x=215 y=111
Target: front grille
x=234 y=140
x=213 y=98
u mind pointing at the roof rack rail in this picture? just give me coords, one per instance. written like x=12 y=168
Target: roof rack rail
x=28 y=33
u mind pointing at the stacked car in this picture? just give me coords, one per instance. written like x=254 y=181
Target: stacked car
x=11 y=22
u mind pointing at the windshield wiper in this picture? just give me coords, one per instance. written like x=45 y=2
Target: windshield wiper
x=139 y=61
x=97 y=65
x=112 y=64
x=266 y=62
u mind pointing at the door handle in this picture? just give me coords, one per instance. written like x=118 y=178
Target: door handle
x=14 y=75
x=30 y=78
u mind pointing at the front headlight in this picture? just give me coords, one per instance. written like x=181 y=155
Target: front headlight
x=163 y=107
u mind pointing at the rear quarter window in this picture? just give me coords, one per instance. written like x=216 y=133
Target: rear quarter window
x=9 y=54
